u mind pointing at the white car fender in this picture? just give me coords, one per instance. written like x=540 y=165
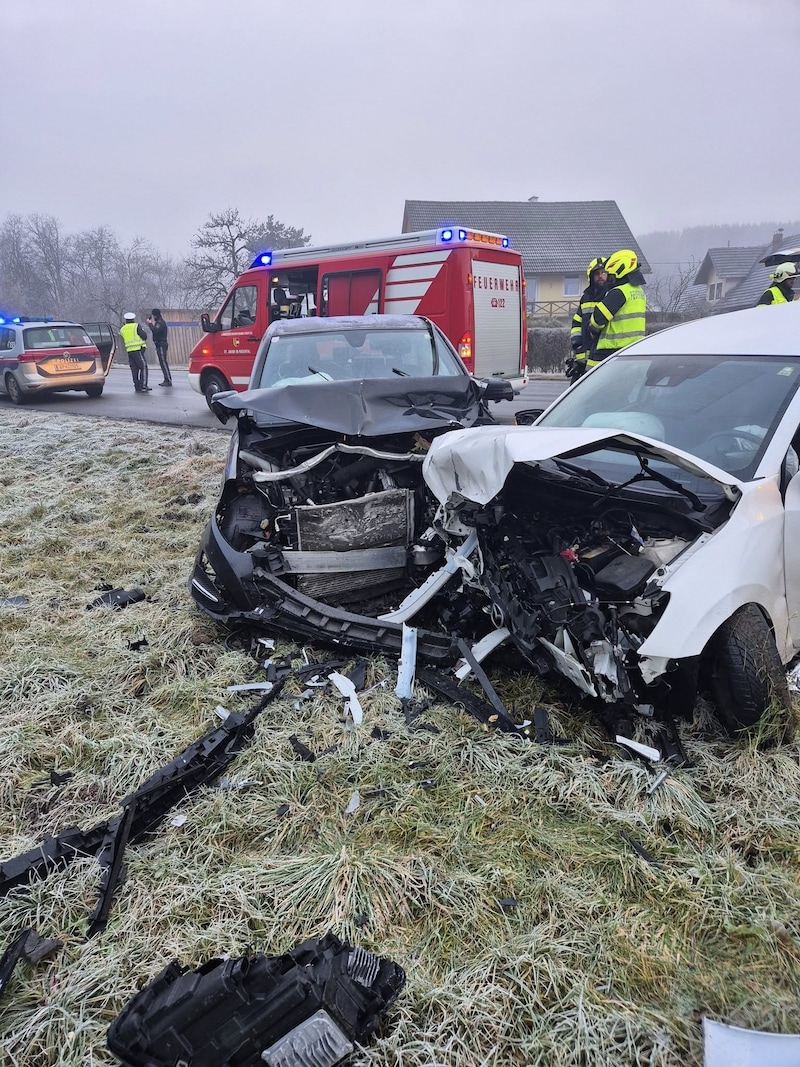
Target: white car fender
x=740 y=563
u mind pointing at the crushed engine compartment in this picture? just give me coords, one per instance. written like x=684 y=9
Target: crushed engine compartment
x=350 y=525
x=336 y=520
x=575 y=579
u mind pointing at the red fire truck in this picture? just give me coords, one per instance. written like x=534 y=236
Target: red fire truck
x=469 y=283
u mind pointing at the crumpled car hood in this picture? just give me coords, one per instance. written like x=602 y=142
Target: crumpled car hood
x=374 y=407
x=475 y=463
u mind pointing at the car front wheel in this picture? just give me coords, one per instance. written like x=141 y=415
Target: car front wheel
x=15 y=393
x=214 y=384
x=745 y=671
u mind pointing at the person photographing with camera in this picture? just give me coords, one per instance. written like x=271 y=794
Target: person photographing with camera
x=158 y=328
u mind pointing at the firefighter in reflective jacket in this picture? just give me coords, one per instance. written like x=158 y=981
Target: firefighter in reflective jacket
x=619 y=318
x=782 y=289
x=580 y=340
x=135 y=340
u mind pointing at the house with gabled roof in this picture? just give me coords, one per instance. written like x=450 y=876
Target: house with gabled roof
x=735 y=278
x=557 y=239
x=723 y=269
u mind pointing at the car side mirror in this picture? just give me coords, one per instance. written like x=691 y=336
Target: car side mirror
x=496 y=389
x=206 y=325
x=222 y=413
x=527 y=417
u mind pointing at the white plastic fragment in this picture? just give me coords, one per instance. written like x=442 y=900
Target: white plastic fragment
x=408 y=663
x=481 y=649
x=178 y=820
x=480 y=800
x=265 y=686
x=378 y=685
x=267 y=642
x=348 y=690
x=223 y=713
x=652 y=754
x=354 y=803
x=733 y=1046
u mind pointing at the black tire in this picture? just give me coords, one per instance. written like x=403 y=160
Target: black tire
x=214 y=384
x=746 y=674
x=94 y=391
x=15 y=393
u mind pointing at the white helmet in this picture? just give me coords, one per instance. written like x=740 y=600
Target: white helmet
x=784 y=271
x=129 y=315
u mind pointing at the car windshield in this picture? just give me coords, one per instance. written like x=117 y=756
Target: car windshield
x=41 y=337
x=338 y=355
x=723 y=409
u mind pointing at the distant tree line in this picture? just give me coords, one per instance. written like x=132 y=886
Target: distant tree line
x=91 y=275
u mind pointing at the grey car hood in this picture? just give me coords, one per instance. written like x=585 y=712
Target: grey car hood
x=474 y=464
x=374 y=407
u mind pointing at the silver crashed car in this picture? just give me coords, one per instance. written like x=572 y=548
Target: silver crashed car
x=640 y=539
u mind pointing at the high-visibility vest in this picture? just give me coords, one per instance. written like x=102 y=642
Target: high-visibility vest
x=777 y=295
x=129 y=332
x=627 y=326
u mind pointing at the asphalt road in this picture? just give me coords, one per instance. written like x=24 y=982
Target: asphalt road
x=181 y=406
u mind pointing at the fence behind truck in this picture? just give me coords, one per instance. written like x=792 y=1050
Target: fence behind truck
x=184 y=333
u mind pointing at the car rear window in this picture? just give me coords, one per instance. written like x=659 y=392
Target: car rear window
x=44 y=337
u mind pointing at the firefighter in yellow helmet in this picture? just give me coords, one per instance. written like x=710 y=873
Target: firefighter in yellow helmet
x=619 y=318
x=579 y=338
x=782 y=289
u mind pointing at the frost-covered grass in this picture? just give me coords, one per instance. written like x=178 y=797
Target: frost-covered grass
x=603 y=958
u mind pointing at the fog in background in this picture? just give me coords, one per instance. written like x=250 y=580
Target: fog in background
x=145 y=116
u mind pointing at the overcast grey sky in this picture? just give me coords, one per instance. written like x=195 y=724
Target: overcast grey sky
x=145 y=115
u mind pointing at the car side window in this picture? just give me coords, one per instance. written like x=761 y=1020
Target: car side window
x=243 y=306
x=6 y=340
x=239 y=309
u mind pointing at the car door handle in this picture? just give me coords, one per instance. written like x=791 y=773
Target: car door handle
x=253 y=338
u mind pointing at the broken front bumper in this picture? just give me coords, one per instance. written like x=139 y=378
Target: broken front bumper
x=224 y=585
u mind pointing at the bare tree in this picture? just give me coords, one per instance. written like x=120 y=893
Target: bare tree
x=18 y=281
x=674 y=296
x=98 y=284
x=273 y=234
x=49 y=252
x=171 y=283
x=224 y=247
x=89 y=275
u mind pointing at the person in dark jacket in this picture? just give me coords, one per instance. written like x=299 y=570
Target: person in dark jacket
x=579 y=338
x=135 y=340
x=619 y=318
x=782 y=289
x=158 y=328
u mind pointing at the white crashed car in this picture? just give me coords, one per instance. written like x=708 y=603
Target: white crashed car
x=642 y=537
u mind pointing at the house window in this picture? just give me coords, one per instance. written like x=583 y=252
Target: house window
x=572 y=287
x=715 y=292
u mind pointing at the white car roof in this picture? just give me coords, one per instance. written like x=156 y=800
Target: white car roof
x=771 y=330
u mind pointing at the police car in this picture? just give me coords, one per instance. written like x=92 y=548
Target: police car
x=40 y=356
